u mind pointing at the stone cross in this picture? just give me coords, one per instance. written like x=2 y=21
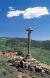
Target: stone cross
x=29 y=39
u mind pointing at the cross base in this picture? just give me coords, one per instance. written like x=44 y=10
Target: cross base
x=29 y=56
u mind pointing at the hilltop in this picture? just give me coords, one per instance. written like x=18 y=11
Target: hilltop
x=39 y=49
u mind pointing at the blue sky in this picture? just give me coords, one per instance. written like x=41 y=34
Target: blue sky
x=17 y=15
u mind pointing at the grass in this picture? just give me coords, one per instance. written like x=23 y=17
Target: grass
x=40 y=54
x=37 y=53
x=6 y=71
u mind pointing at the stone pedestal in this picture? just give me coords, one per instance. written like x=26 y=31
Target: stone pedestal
x=29 y=56
x=30 y=59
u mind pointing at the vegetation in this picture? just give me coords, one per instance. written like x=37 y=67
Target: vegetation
x=6 y=71
x=39 y=49
x=12 y=43
x=40 y=54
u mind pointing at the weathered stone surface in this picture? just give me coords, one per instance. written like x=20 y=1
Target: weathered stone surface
x=22 y=75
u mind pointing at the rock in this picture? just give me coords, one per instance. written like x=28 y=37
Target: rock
x=29 y=56
x=38 y=69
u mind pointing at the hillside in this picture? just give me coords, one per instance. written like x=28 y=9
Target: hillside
x=8 y=71
x=39 y=52
x=22 y=42
x=39 y=49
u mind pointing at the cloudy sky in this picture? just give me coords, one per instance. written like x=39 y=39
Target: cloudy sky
x=17 y=15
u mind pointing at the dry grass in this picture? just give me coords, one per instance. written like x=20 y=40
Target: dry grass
x=22 y=75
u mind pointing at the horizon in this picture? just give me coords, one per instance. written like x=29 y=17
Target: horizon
x=24 y=38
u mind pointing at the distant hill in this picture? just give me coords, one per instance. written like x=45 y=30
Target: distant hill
x=12 y=43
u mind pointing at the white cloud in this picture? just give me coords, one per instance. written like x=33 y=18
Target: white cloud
x=28 y=13
x=10 y=8
x=14 y=13
x=35 y=12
